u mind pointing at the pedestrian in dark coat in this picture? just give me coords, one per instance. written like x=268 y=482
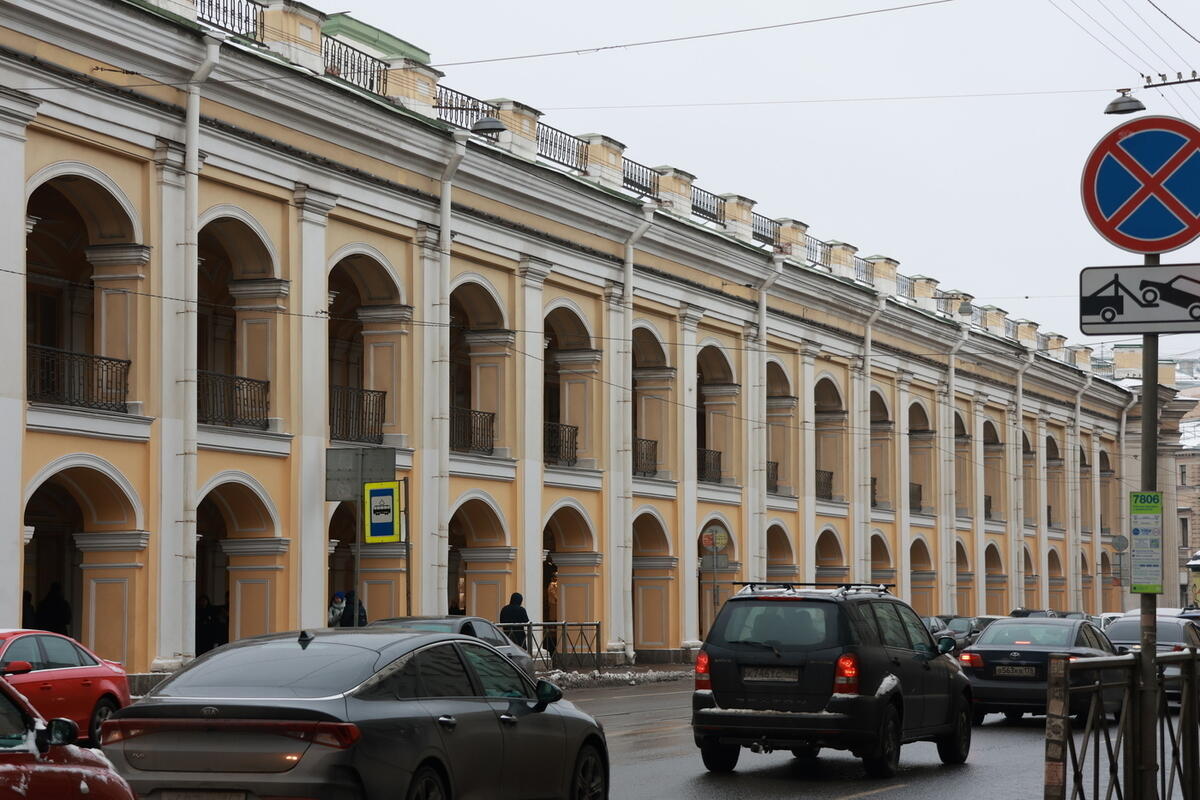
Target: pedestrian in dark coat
x=512 y=617
x=348 y=614
x=54 y=612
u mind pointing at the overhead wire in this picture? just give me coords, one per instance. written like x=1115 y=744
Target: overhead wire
x=1173 y=21
x=1182 y=59
x=1148 y=47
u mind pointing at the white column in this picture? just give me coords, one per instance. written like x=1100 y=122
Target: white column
x=900 y=493
x=978 y=490
x=1097 y=547
x=1016 y=508
x=618 y=393
x=947 y=513
x=689 y=318
x=754 y=505
x=532 y=342
x=427 y=559
x=1073 y=540
x=16 y=110
x=860 y=474
x=166 y=277
x=1043 y=523
x=310 y=388
x=808 y=463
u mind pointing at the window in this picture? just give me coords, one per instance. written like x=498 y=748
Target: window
x=890 y=625
x=24 y=649
x=60 y=654
x=1183 y=475
x=1044 y=634
x=400 y=680
x=276 y=668
x=498 y=677
x=798 y=625
x=12 y=724
x=443 y=673
x=918 y=634
x=1183 y=532
x=490 y=635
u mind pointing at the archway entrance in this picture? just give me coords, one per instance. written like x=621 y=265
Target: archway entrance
x=997 y=582
x=882 y=570
x=53 y=586
x=1058 y=582
x=479 y=561
x=571 y=568
x=923 y=576
x=653 y=574
x=831 y=559
x=965 y=580
x=718 y=568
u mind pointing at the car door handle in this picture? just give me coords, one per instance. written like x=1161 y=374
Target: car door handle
x=46 y=687
x=508 y=719
x=448 y=722
x=85 y=683
x=895 y=661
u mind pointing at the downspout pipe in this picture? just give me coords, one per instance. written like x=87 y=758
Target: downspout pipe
x=625 y=379
x=949 y=503
x=1077 y=510
x=442 y=372
x=191 y=271
x=1017 y=565
x=863 y=424
x=758 y=532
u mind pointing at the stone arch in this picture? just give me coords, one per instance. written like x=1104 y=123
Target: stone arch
x=480 y=520
x=713 y=363
x=881 y=410
x=568 y=526
x=650 y=536
x=243 y=237
x=1052 y=450
x=478 y=302
x=570 y=572
x=90 y=191
x=376 y=277
x=569 y=322
x=829 y=551
x=244 y=503
x=918 y=416
x=478 y=561
x=779 y=546
x=995 y=580
x=107 y=498
x=716 y=516
x=881 y=552
x=827 y=394
x=993 y=562
x=919 y=557
x=922 y=576
x=778 y=382
x=654 y=571
x=991 y=433
x=1032 y=592
x=648 y=350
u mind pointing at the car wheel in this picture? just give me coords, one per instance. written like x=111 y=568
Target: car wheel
x=886 y=759
x=103 y=710
x=427 y=784
x=1150 y=296
x=1013 y=716
x=954 y=747
x=807 y=752
x=590 y=781
x=719 y=757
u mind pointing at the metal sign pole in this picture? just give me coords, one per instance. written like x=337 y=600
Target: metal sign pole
x=359 y=540
x=1147 y=766
x=408 y=556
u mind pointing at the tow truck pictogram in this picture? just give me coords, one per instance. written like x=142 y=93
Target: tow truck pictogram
x=1109 y=306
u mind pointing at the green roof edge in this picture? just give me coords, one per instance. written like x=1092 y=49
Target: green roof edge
x=376 y=38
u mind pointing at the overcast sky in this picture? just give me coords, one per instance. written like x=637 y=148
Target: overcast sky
x=981 y=193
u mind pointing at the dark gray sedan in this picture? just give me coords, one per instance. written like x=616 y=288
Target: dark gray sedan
x=478 y=627
x=357 y=714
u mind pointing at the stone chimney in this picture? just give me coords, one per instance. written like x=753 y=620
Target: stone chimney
x=885 y=273
x=994 y=318
x=414 y=84
x=1056 y=346
x=1081 y=356
x=737 y=216
x=293 y=30
x=841 y=259
x=1027 y=332
x=675 y=190
x=925 y=290
x=605 y=160
x=521 y=120
x=791 y=238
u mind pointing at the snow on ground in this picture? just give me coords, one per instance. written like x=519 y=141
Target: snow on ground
x=598 y=678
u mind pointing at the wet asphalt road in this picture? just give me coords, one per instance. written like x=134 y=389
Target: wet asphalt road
x=653 y=756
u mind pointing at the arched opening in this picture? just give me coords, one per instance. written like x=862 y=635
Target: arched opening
x=1058 y=582
x=995 y=496
x=569 y=367
x=964 y=470
x=236 y=319
x=66 y=519
x=921 y=460
x=236 y=592
x=831 y=441
x=1110 y=584
x=830 y=558
x=478 y=561
x=781 y=559
x=997 y=581
x=717 y=568
x=882 y=569
x=716 y=417
x=964 y=580
x=654 y=570
x=1056 y=505
x=79 y=341
x=653 y=380
x=922 y=575
x=882 y=459
x=570 y=567
x=382 y=587
x=1029 y=493
x=479 y=349
x=781 y=429
x=1087 y=583
x=1087 y=516
x=366 y=320
x=1108 y=493
x=1032 y=594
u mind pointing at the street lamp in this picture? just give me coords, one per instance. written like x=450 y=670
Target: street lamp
x=488 y=126
x=1124 y=104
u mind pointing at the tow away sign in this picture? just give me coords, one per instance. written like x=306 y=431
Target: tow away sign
x=1134 y=300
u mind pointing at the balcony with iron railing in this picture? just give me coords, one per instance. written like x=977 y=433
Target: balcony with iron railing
x=824 y=484
x=708 y=465
x=354 y=66
x=242 y=17
x=645 y=457
x=707 y=205
x=356 y=415
x=462 y=110
x=561 y=147
x=816 y=251
x=232 y=400
x=472 y=431
x=978 y=316
x=947 y=304
x=773 y=477
x=560 y=444
x=82 y=380
x=764 y=229
x=864 y=270
x=987 y=507
x=639 y=178
x=906 y=287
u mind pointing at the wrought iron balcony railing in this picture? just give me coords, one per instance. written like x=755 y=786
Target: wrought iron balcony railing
x=816 y=251
x=825 y=484
x=764 y=229
x=472 y=431
x=354 y=66
x=645 y=457
x=874 y=492
x=561 y=147
x=906 y=287
x=461 y=109
x=864 y=270
x=708 y=463
x=75 y=379
x=773 y=477
x=231 y=400
x=560 y=443
x=243 y=17
x=639 y=178
x=356 y=415
x=987 y=506
x=707 y=205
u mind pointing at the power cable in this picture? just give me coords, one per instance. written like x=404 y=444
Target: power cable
x=1145 y=44
x=1182 y=59
x=1099 y=41
x=1173 y=22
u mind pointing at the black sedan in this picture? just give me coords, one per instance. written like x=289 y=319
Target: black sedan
x=357 y=714
x=478 y=627
x=1182 y=291
x=1172 y=634
x=1007 y=663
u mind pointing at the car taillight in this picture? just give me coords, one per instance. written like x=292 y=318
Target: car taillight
x=703 y=678
x=971 y=660
x=845 y=674
x=331 y=734
x=340 y=735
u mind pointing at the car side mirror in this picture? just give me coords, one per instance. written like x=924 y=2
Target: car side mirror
x=1122 y=650
x=946 y=644
x=17 y=668
x=58 y=732
x=975 y=632
x=547 y=693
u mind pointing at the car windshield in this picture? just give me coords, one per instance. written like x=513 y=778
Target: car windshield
x=961 y=624
x=780 y=625
x=1038 y=634
x=1129 y=629
x=280 y=668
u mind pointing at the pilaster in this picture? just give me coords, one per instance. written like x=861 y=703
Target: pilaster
x=808 y=463
x=689 y=319
x=903 y=512
x=532 y=272
x=978 y=489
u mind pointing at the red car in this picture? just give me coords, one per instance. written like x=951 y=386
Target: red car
x=64 y=678
x=38 y=759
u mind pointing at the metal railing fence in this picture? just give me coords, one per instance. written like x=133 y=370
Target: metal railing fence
x=461 y=109
x=906 y=287
x=825 y=484
x=232 y=400
x=816 y=251
x=561 y=147
x=707 y=205
x=864 y=270
x=914 y=498
x=243 y=17
x=75 y=379
x=773 y=477
x=472 y=431
x=708 y=464
x=356 y=415
x=559 y=645
x=639 y=178
x=353 y=65
x=560 y=444
x=764 y=229
x=645 y=457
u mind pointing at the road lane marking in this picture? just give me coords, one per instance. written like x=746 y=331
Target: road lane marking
x=870 y=792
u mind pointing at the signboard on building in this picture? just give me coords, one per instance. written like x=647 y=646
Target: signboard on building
x=1146 y=549
x=383 y=512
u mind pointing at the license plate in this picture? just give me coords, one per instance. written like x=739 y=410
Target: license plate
x=1015 y=672
x=203 y=795
x=777 y=674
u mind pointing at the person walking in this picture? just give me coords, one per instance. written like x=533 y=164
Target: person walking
x=512 y=617
x=336 y=609
x=348 y=613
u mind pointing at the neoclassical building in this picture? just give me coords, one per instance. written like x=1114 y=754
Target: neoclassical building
x=253 y=232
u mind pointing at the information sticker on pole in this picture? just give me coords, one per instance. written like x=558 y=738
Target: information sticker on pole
x=1146 y=550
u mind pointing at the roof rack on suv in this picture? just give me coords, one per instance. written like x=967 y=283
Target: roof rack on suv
x=791 y=586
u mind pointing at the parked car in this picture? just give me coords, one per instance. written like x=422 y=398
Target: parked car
x=38 y=759
x=791 y=668
x=373 y=713
x=478 y=627
x=966 y=629
x=1007 y=664
x=1172 y=634
x=1108 y=617
x=64 y=679
x=1033 y=612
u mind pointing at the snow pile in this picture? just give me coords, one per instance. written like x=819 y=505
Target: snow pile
x=596 y=678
